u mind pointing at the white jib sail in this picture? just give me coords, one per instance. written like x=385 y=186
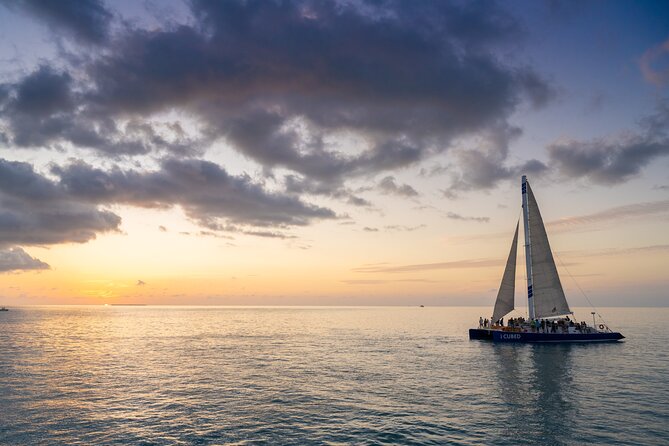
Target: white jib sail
x=549 y=299
x=504 y=302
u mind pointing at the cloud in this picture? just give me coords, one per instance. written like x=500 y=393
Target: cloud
x=368 y=229
x=280 y=81
x=357 y=201
x=267 y=234
x=44 y=92
x=388 y=186
x=207 y=193
x=484 y=167
x=454 y=216
x=300 y=185
x=615 y=159
x=618 y=213
x=42 y=110
x=35 y=210
x=618 y=251
x=88 y=21
x=16 y=259
x=606 y=162
x=404 y=227
x=381 y=281
x=458 y=264
x=648 y=63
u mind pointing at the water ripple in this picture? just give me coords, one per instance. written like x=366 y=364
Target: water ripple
x=376 y=376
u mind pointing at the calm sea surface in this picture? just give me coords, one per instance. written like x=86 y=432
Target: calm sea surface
x=198 y=375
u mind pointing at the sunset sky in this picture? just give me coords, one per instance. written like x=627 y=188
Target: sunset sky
x=329 y=152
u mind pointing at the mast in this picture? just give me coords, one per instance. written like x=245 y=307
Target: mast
x=528 y=250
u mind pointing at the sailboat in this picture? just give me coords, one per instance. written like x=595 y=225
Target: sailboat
x=549 y=314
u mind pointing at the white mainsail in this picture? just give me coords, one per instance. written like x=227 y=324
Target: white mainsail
x=548 y=296
x=504 y=302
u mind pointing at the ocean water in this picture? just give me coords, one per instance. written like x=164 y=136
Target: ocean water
x=197 y=375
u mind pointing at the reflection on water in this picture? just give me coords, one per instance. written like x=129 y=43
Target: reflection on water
x=154 y=375
x=556 y=406
x=514 y=389
x=550 y=391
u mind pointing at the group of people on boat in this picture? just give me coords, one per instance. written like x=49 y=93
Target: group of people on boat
x=537 y=325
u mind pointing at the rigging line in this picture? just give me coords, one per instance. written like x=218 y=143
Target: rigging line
x=579 y=288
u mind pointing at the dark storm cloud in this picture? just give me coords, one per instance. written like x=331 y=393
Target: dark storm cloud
x=44 y=110
x=16 y=259
x=88 y=21
x=44 y=92
x=206 y=192
x=4 y=93
x=37 y=211
x=617 y=158
x=39 y=107
x=279 y=80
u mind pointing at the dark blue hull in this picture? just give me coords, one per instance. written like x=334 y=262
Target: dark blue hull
x=509 y=336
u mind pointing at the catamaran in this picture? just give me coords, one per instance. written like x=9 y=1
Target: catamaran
x=548 y=309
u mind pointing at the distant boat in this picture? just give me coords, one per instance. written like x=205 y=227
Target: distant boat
x=4 y=309
x=548 y=309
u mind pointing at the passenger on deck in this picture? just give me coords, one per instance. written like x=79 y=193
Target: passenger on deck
x=481 y=322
